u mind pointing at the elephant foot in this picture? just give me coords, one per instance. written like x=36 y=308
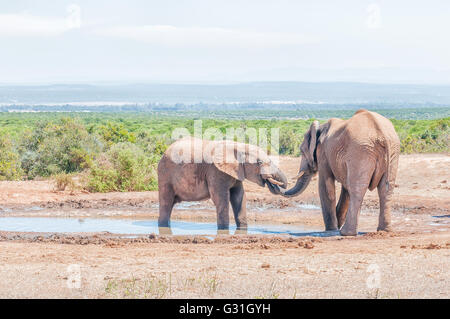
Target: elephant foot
x=241 y=225
x=165 y=230
x=223 y=229
x=241 y=231
x=348 y=232
x=242 y=228
x=385 y=228
x=164 y=224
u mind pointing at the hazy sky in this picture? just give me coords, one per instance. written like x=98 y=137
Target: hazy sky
x=208 y=41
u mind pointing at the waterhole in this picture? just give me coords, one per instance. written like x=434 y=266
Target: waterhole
x=130 y=226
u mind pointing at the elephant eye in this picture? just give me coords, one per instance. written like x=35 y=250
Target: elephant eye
x=259 y=162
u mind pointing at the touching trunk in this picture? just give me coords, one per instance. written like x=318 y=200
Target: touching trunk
x=279 y=177
x=299 y=186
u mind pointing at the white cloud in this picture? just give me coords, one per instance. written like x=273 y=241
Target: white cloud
x=203 y=37
x=28 y=25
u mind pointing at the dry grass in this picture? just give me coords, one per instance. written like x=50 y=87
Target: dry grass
x=162 y=286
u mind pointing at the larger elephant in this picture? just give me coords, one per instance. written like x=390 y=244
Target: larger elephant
x=360 y=153
x=192 y=170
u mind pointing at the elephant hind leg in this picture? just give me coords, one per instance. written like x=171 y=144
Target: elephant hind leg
x=342 y=207
x=385 y=192
x=350 y=227
x=166 y=202
x=221 y=198
x=358 y=180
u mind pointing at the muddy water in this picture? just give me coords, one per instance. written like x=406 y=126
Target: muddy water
x=266 y=220
x=129 y=226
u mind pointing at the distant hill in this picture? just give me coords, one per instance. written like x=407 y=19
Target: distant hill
x=261 y=95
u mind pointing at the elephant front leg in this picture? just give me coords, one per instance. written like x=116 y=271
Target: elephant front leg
x=327 y=194
x=221 y=199
x=238 y=203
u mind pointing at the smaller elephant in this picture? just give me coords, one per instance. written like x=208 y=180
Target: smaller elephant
x=192 y=169
x=360 y=153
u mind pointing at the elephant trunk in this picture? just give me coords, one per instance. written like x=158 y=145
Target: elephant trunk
x=276 y=181
x=279 y=176
x=299 y=186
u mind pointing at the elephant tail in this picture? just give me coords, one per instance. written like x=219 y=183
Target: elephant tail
x=388 y=163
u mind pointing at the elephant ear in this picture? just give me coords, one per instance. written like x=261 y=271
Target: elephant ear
x=313 y=142
x=226 y=158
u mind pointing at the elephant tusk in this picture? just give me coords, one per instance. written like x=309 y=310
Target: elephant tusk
x=274 y=181
x=299 y=175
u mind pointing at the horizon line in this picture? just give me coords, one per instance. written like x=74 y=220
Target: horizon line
x=207 y=83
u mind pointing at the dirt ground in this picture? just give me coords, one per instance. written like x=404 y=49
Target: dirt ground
x=411 y=262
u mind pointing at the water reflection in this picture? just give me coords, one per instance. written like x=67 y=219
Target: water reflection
x=238 y=231
x=129 y=226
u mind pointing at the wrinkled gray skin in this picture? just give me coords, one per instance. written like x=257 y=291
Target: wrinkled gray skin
x=360 y=153
x=213 y=176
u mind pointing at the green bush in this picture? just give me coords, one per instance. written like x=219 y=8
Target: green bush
x=153 y=146
x=47 y=144
x=424 y=136
x=125 y=167
x=114 y=133
x=63 y=181
x=54 y=147
x=10 y=168
x=290 y=143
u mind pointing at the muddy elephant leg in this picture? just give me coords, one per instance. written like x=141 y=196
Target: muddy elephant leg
x=385 y=196
x=238 y=203
x=221 y=198
x=350 y=227
x=166 y=202
x=327 y=192
x=342 y=207
x=358 y=179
